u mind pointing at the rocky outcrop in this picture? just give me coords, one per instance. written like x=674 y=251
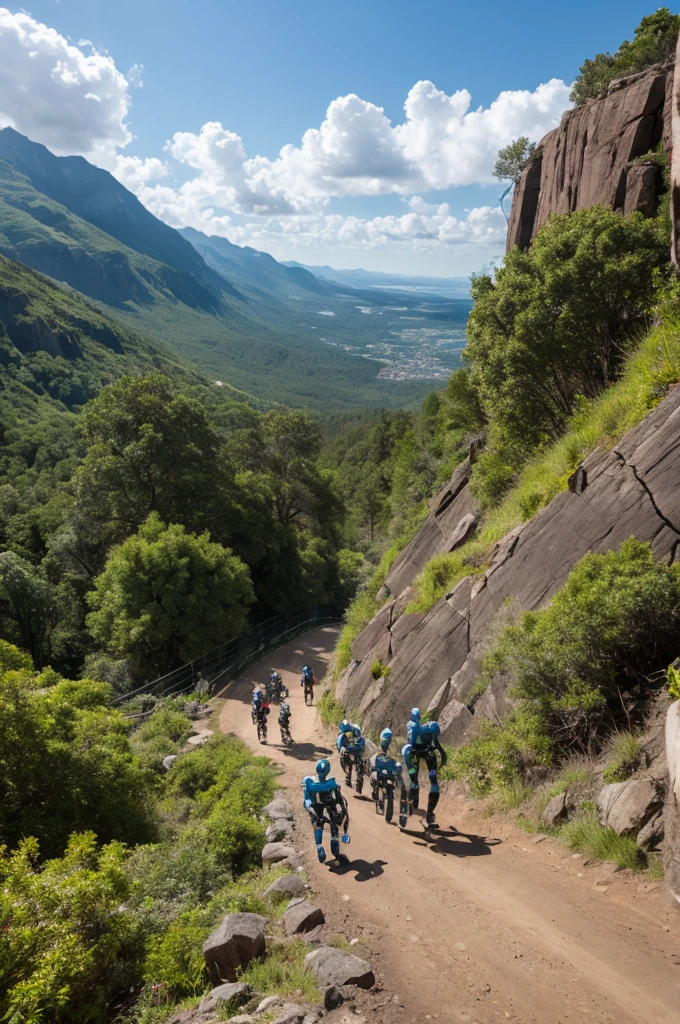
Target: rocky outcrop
x=628 y=491
x=588 y=160
x=453 y=516
x=671 y=846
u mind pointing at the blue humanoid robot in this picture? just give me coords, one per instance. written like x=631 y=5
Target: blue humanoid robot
x=307 y=683
x=423 y=745
x=386 y=775
x=326 y=806
x=352 y=749
x=284 y=723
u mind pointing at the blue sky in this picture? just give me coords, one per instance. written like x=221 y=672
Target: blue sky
x=228 y=82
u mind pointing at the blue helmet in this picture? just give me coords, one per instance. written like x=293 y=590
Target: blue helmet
x=344 y=725
x=356 y=730
x=322 y=769
x=385 y=739
x=415 y=715
x=433 y=727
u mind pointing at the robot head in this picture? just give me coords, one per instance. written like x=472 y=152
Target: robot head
x=415 y=715
x=285 y=707
x=433 y=728
x=344 y=725
x=356 y=731
x=385 y=739
x=322 y=769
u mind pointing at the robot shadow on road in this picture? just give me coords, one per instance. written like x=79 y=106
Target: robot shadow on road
x=305 y=751
x=364 y=870
x=453 y=843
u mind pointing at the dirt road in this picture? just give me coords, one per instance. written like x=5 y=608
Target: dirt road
x=473 y=927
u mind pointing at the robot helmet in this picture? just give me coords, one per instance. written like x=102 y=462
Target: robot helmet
x=322 y=769
x=356 y=730
x=415 y=715
x=385 y=739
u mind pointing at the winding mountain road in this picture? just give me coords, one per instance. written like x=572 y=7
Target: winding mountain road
x=474 y=927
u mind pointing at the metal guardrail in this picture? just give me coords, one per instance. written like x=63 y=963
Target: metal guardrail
x=237 y=654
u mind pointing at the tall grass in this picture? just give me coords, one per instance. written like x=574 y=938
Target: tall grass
x=648 y=372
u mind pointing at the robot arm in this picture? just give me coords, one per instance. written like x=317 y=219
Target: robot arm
x=442 y=753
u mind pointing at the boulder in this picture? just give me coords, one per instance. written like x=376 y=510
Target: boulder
x=199 y=738
x=331 y=966
x=555 y=810
x=169 y=761
x=279 y=808
x=280 y=829
x=671 y=846
x=233 y=993
x=627 y=806
x=302 y=916
x=291 y=885
x=233 y=944
x=273 y=853
x=291 y=1013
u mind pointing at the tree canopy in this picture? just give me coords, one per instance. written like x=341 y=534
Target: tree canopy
x=512 y=159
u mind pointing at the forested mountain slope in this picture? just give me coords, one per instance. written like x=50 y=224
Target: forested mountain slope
x=77 y=224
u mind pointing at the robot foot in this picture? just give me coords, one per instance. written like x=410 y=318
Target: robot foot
x=321 y=854
x=430 y=823
x=402 y=821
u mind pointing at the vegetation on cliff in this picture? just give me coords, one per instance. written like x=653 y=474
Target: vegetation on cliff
x=654 y=40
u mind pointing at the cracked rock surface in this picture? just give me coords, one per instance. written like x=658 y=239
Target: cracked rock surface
x=587 y=160
x=631 y=490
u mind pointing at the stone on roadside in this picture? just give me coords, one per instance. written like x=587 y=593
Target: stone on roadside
x=331 y=966
x=290 y=885
x=291 y=1013
x=279 y=807
x=233 y=944
x=233 y=993
x=650 y=836
x=280 y=829
x=301 y=917
x=627 y=806
x=555 y=810
x=169 y=761
x=275 y=852
x=199 y=738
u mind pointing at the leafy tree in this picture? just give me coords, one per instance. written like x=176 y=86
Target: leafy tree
x=65 y=761
x=166 y=596
x=369 y=498
x=512 y=159
x=654 y=40
x=558 y=320
x=26 y=599
x=149 y=449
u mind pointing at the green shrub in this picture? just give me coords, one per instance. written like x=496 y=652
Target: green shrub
x=624 y=756
x=329 y=708
x=494 y=759
x=175 y=960
x=570 y=778
x=585 y=834
x=282 y=972
x=67 y=944
x=380 y=670
x=654 y=40
x=612 y=622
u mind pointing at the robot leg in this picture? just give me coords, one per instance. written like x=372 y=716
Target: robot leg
x=318 y=839
x=403 y=806
x=346 y=764
x=414 y=792
x=433 y=798
x=335 y=841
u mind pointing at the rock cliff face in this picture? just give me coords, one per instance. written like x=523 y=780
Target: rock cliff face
x=588 y=159
x=435 y=656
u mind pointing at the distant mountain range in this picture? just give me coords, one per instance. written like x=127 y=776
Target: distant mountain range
x=271 y=330
x=450 y=287
x=79 y=226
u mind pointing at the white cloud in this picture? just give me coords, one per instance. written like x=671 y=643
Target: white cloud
x=356 y=151
x=50 y=90
x=74 y=100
